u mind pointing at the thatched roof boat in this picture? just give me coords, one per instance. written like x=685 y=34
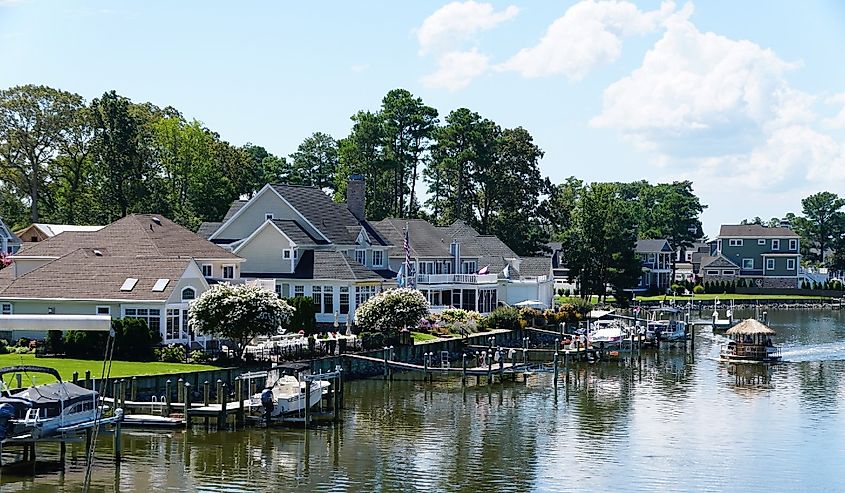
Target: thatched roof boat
x=751 y=341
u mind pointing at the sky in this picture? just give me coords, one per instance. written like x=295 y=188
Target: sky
x=745 y=99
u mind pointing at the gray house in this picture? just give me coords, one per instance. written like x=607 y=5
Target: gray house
x=656 y=257
x=764 y=256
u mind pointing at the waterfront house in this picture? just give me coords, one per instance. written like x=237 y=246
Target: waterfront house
x=688 y=260
x=767 y=257
x=36 y=232
x=142 y=266
x=9 y=241
x=656 y=258
x=297 y=241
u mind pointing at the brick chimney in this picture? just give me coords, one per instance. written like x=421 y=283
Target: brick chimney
x=356 y=196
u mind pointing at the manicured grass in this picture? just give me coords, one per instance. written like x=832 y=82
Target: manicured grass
x=593 y=299
x=66 y=367
x=422 y=337
x=729 y=297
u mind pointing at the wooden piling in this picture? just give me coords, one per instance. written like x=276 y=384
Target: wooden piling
x=167 y=397
x=118 y=442
x=88 y=383
x=19 y=379
x=307 y=402
x=75 y=378
x=224 y=403
x=385 y=364
x=239 y=387
x=464 y=369
x=187 y=403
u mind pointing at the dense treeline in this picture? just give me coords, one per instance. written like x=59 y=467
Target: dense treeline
x=66 y=160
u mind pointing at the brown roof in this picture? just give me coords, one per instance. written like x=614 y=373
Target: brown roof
x=82 y=274
x=146 y=235
x=749 y=327
x=754 y=230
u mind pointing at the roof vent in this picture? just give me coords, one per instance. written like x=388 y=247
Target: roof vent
x=160 y=285
x=129 y=284
x=156 y=220
x=98 y=253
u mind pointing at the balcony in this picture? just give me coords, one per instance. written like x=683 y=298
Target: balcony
x=457 y=279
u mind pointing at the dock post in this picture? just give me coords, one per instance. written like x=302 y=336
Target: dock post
x=557 y=344
x=133 y=389
x=425 y=366
x=218 y=390
x=385 y=362
x=180 y=390
x=205 y=393
x=88 y=439
x=122 y=393
x=75 y=378
x=224 y=407
x=187 y=401
x=307 y=401
x=115 y=386
x=19 y=379
x=556 y=368
x=62 y=452
x=239 y=390
x=88 y=383
x=464 y=369
x=118 y=452
x=167 y=397
x=489 y=368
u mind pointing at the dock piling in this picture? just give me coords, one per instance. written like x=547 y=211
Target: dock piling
x=464 y=369
x=187 y=403
x=167 y=397
x=224 y=408
x=133 y=389
x=307 y=401
x=19 y=379
x=239 y=387
x=88 y=383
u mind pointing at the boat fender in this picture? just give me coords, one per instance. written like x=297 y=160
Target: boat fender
x=7 y=411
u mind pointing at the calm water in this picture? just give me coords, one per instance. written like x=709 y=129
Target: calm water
x=677 y=421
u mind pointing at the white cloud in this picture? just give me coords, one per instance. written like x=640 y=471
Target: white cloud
x=837 y=121
x=588 y=34
x=457 y=22
x=721 y=112
x=359 y=67
x=456 y=69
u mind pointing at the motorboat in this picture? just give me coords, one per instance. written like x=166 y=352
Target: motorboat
x=607 y=334
x=750 y=342
x=287 y=394
x=45 y=409
x=668 y=329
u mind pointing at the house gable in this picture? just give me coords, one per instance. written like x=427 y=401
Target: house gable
x=263 y=250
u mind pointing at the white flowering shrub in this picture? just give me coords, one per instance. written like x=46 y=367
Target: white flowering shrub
x=392 y=310
x=239 y=312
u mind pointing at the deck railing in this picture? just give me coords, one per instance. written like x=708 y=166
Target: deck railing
x=457 y=278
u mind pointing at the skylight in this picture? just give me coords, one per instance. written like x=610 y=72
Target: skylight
x=160 y=285
x=129 y=284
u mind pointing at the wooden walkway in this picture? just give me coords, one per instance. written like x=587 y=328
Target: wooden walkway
x=477 y=371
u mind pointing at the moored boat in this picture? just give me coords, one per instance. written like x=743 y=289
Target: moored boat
x=668 y=329
x=285 y=394
x=751 y=342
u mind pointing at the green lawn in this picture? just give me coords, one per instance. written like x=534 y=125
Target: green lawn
x=593 y=299
x=729 y=297
x=422 y=337
x=66 y=367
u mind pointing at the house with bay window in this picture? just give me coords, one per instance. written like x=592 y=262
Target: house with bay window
x=767 y=257
x=142 y=266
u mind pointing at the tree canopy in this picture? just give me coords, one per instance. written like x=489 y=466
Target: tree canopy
x=392 y=310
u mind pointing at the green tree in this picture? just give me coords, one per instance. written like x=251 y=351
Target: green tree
x=822 y=225
x=557 y=209
x=392 y=310
x=32 y=119
x=315 y=162
x=304 y=314
x=239 y=312
x=362 y=152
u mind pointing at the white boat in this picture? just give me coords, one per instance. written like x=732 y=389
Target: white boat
x=46 y=409
x=608 y=334
x=670 y=329
x=286 y=394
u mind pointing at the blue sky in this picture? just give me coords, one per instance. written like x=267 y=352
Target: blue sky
x=744 y=98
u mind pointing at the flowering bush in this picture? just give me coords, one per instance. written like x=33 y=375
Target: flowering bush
x=392 y=310
x=239 y=312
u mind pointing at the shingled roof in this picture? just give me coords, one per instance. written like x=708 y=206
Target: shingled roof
x=146 y=235
x=532 y=267
x=754 y=231
x=326 y=264
x=426 y=240
x=82 y=274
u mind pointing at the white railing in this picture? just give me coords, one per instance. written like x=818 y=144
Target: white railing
x=457 y=278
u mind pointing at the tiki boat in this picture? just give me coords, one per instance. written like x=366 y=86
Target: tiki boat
x=750 y=342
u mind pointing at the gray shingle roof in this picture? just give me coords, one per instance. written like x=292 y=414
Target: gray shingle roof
x=234 y=207
x=332 y=219
x=426 y=240
x=206 y=229
x=134 y=235
x=532 y=267
x=83 y=275
x=652 y=246
x=718 y=261
x=297 y=233
x=754 y=230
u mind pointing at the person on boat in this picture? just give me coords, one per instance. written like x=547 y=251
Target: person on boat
x=267 y=399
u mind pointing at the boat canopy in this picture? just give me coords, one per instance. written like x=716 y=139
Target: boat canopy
x=749 y=327
x=55 y=322
x=54 y=392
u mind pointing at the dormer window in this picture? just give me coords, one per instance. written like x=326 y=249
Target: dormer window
x=268 y=216
x=361 y=257
x=378 y=258
x=286 y=254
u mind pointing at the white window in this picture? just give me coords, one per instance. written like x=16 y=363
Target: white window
x=328 y=299
x=317 y=298
x=172 y=329
x=363 y=293
x=735 y=242
x=150 y=315
x=6 y=308
x=279 y=290
x=748 y=263
x=268 y=216
x=361 y=257
x=344 y=300
x=770 y=264
x=228 y=272
x=469 y=267
x=793 y=245
x=689 y=256
x=295 y=253
x=730 y=272
x=712 y=273
x=775 y=244
x=286 y=254
x=790 y=264
x=299 y=290
x=103 y=310
x=378 y=258
x=761 y=241
x=189 y=294
x=206 y=270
